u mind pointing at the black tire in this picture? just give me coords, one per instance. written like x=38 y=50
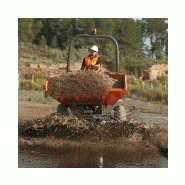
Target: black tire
x=119 y=113
x=61 y=108
x=45 y=94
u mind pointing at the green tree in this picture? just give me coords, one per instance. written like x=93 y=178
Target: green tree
x=155 y=30
x=43 y=41
x=75 y=29
x=25 y=31
x=64 y=33
x=28 y=28
x=82 y=26
x=166 y=43
x=85 y=25
x=107 y=26
x=54 y=43
x=130 y=37
x=59 y=27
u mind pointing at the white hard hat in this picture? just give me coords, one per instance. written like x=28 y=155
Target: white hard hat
x=94 y=48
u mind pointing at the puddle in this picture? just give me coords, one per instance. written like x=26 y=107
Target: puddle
x=81 y=157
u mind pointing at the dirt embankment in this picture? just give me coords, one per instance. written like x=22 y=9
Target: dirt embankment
x=155 y=71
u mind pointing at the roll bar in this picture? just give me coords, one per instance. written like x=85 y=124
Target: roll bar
x=95 y=36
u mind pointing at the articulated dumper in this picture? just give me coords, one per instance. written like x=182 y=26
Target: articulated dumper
x=109 y=104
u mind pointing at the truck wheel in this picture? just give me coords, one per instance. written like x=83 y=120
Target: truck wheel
x=46 y=94
x=119 y=113
x=61 y=108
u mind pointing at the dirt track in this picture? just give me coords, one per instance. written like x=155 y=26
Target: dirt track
x=30 y=110
x=146 y=112
x=136 y=110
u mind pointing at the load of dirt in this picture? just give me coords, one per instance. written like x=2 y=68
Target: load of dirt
x=56 y=124
x=79 y=83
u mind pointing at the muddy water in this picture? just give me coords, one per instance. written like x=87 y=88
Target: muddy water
x=79 y=157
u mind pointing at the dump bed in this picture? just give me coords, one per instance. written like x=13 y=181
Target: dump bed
x=117 y=91
x=110 y=97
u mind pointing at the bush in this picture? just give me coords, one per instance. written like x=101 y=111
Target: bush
x=153 y=95
x=25 y=85
x=146 y=92
x=34 y=58
x=135 y=66
x=163 y=79
x=43 y=41
x=27 y=64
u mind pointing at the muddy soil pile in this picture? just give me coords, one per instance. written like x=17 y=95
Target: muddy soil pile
x=87 y=127
x=79 y=83
x=155 y=71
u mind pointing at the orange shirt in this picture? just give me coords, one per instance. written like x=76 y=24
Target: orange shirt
x=88 y=60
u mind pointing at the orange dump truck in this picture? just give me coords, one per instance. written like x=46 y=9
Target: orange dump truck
x=110 y=101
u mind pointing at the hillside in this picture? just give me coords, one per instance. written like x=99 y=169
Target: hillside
x=33 y=56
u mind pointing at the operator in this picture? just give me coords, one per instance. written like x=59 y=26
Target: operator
x=91 y=61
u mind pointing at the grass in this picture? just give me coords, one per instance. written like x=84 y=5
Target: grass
x=37 y=75
x=155 y=91
x=36 y=97
x=26 y=84
x=29 y=53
